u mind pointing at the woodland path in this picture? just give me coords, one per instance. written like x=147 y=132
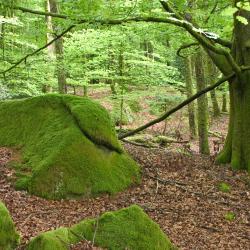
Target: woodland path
x=188 y=206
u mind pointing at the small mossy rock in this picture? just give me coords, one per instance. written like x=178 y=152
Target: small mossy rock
x=68 y=145
x=128 y=228
x=53 y=240
x=9 y=238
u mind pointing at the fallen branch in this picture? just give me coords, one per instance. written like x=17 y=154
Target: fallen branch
x=169 y=182
x=216 y=134
x=138 y=144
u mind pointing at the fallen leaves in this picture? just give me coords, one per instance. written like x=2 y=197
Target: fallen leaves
x=179 y=192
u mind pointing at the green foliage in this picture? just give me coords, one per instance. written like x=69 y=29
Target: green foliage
x=224 y=187
x=9 y=238
x=163 y=102
x=230 y=216
x=135 y=106
x=127 y=116
x=128 y=228
x=68 y=145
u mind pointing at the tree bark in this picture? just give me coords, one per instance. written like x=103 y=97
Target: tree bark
x=202 y=105
x=191 y=106
x=237 y=147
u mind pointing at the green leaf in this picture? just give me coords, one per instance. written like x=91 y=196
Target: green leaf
x=242 y=19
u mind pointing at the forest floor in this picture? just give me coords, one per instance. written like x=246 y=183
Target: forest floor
x=178 y=191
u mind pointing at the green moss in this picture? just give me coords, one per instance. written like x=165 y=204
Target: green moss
x=224 y=187
x=128 y=228
x=9 y=238
x=54 y=240
x=230 y=216
x=68 y=147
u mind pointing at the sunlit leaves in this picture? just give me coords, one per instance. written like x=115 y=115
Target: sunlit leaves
x=242 y=19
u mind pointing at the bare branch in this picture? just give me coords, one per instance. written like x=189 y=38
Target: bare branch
x=24 y=59
x=178 y=107
x=212 y=11
x=42 y=13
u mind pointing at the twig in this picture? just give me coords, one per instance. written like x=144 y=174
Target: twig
x=96 y=227
x=24 y=59
x=157 y=183
x=78 y=235
x=171 y=182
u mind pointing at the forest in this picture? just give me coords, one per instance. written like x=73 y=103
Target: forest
x=124 y=124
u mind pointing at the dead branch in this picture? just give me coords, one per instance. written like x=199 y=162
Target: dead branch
x=178 y=107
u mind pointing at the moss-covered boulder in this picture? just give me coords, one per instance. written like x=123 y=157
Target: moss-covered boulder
x=128 y=228
x=9 y=238
x=68 y=146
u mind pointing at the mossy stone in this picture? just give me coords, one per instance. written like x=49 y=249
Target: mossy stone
x=68 y=145
x=9 y=238
x=128 y=228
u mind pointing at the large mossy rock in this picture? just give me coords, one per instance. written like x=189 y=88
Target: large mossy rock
x=128 y=228
x=9 y=238
x=68 y=145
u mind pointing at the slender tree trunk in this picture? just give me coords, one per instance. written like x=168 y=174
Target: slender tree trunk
x=61 y=74
x=202 y=105
x=237 y=146
x=85 y=90
x=191 y=106
x=111 y=62
x=211 y=73
x=216 y=107
x=224 y=102
x=112 y=87
x=51 y=48
x=2 y=40
x=121 y=74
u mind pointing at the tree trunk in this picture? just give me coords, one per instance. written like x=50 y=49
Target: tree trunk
x=112 y=87
x=61 y=75
x=211 y=73
x=202 y=105
x=51 y=48
x=191 y=106
x=216 y=108
x=85 y=90
x=224 y=102
x=237 y=146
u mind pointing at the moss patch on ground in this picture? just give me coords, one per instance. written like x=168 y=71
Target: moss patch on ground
x=128 y=228
x=9 y=238
x=68 y=145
